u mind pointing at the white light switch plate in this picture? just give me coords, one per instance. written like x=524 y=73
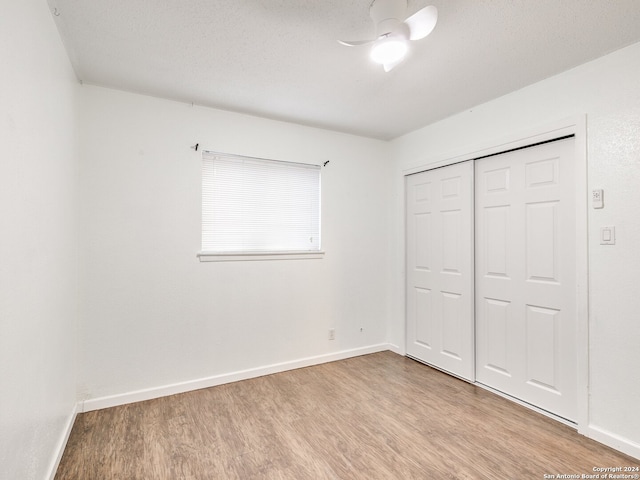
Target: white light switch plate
x=607 y=235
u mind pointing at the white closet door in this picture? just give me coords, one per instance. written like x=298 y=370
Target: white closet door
x=439 y=224
x=525 y=276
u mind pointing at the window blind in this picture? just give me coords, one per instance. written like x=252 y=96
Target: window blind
x=254 y=205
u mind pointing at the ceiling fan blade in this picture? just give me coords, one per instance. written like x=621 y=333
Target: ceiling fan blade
x=422 y=22
x=355 y=43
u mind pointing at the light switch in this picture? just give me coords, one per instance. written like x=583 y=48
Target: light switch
x=607 y=235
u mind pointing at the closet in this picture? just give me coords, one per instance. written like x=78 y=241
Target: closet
x=491 y=287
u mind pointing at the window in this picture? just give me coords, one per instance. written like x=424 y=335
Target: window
x=256 y=209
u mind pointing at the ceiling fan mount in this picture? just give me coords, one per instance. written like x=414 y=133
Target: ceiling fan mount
x=393 y=30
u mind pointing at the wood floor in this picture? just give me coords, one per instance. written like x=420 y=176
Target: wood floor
x=379 y=416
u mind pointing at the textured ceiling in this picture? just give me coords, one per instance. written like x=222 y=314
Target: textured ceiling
x=280 y=59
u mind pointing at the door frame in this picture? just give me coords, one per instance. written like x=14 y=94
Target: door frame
x=576 y=126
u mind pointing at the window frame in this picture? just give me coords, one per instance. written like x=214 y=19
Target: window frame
x=256 y=255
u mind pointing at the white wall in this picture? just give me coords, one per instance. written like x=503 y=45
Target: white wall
x=607 y=90
x=152 y=315
x=38 y=241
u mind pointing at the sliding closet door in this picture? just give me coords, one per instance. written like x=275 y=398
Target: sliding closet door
x=525 y=275
x=439 y=222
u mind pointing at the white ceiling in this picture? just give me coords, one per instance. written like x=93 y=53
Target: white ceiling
x=280 y=59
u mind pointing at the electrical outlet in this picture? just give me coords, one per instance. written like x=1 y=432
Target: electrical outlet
x=332 y=334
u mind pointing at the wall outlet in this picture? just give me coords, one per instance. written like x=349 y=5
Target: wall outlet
x=332 y=334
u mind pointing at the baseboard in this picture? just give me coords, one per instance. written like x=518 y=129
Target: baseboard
x=612 y=440
x=62 y=443
x=163 y=391
x=396 y=349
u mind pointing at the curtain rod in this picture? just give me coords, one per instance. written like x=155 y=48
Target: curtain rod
x=213 y=152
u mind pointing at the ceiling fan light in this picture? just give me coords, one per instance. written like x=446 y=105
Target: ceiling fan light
x=389 y=50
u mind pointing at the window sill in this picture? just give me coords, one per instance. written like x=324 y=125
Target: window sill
x=254 y=256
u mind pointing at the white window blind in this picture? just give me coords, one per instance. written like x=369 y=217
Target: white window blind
x=252 y=205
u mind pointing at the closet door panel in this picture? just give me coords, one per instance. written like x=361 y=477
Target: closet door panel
x=440 y=308
x=526 y=324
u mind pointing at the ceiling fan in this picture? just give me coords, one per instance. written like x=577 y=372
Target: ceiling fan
x=391 y=42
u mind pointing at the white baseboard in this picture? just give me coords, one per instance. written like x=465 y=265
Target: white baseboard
x=62 y=443
x=613 y=440
x=182 y=387
x=396 y=349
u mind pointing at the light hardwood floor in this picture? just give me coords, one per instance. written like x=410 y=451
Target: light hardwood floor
x=379 y=416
